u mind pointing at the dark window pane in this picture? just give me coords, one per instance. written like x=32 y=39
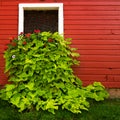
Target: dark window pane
x=43 y=20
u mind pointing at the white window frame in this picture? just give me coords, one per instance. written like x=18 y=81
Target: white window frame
x=41 y=6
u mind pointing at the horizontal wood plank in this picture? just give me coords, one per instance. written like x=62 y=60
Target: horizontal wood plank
x=92 y=17
x=115 y=78
x=107 y=65
x=99 y=52
x=95 y=42
x=8 y=17
x=92 y=22
x=99 y=58
x=92 y=32
x=90 y=27
x=9 y=22
x=112 y=84
x=8 y=27
x=92 y=7
x=96 y=47
x=94 y=37
x=8 y=31
x=99 y=78
x=93 y=2
x=96 y=71
x=10 y=7
x=89 y=13
x=9 y=3
x=8 y=12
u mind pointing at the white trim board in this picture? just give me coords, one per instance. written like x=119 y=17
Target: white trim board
x=41 y=6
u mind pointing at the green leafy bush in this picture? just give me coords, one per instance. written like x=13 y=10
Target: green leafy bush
x=41 y=77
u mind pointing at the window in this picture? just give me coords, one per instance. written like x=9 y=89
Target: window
x=45 y=20
x=50 y=9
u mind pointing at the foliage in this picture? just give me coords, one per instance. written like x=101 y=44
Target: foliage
x=105 y=110
x=41 y=76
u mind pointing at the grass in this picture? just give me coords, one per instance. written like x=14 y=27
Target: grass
x=105 y=110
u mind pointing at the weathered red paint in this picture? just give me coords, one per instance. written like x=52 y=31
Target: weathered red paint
x=94 y=28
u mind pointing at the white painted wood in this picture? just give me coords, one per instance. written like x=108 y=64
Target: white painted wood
x=41 y=6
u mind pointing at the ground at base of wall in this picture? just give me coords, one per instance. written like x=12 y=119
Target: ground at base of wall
x=114 y=93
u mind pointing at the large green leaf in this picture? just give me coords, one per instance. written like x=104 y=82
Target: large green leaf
x=10 y=87
x=30 y=85
x=51 y=105
x=15 y=99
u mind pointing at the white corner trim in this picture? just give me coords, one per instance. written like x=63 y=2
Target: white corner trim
x=41 y=6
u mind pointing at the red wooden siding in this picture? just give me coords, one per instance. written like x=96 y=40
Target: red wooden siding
x=8 y=28
x=94 y=28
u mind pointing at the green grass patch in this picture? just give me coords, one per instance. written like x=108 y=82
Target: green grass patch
x=105 y=110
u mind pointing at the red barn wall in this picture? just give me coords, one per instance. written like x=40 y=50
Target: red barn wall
x=94 y=28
